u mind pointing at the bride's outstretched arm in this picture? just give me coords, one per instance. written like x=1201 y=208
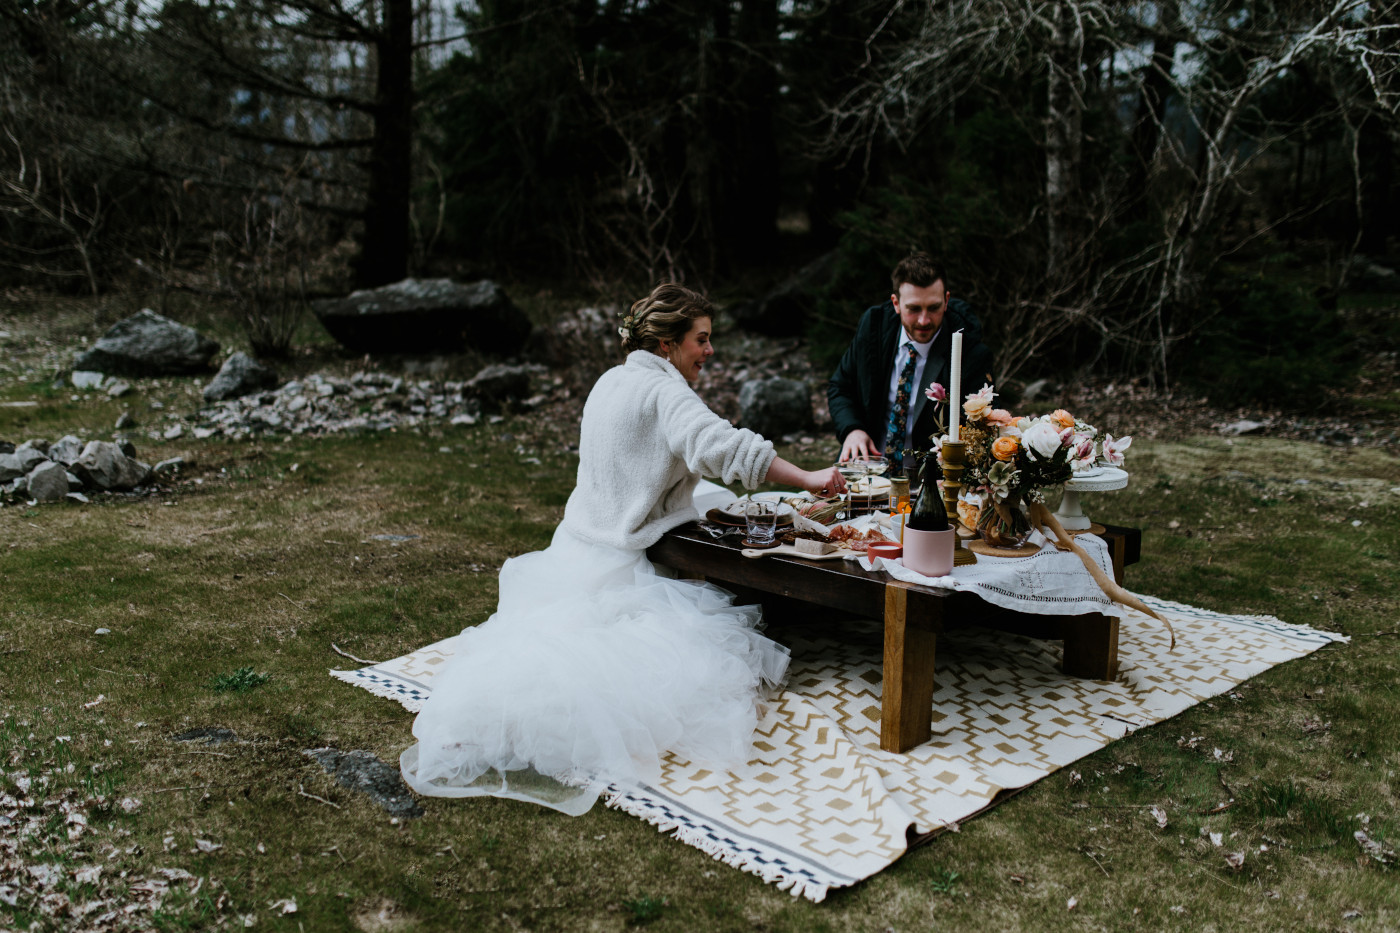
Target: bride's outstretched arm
x=820 y=482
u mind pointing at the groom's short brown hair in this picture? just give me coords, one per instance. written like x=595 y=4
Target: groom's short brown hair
x=918 y=269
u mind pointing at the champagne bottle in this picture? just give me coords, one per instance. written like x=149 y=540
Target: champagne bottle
x=929 y=512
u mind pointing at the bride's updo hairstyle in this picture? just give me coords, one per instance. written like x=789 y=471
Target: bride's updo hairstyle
x=665 y=314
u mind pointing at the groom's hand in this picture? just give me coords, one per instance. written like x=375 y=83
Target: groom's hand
x=858 y=445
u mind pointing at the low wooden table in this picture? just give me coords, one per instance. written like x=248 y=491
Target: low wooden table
x=913 y=616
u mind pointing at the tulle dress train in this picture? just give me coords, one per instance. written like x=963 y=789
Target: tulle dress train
x=594 y=665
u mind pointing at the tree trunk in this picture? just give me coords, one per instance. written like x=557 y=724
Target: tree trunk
x=385 y=243
x=1152 y=106
x=1063 y=140
x=752 y=210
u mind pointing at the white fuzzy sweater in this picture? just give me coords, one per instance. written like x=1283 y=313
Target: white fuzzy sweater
x=645 y=441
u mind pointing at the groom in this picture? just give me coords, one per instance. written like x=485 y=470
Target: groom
x=876 y=395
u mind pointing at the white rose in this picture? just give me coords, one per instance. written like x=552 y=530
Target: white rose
x=1043 y=438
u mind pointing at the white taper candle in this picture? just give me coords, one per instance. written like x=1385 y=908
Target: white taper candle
x=955 y=390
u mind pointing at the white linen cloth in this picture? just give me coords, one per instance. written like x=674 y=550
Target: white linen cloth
x=1048 y=582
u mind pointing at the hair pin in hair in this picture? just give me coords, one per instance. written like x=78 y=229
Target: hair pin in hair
x=626 y=329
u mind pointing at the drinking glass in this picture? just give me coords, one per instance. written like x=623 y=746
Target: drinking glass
x=851 y=471
x=760 y=523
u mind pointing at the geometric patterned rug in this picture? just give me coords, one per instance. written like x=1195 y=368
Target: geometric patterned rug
x=821 y=806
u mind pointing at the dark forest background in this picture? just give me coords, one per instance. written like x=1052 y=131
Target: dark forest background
x=1171 y=190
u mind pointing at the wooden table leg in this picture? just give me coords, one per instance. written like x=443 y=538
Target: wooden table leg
x=911 y=637
x=1091 y=645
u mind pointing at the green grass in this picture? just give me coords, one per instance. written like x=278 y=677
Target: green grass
x=257 y=570
x=240 y=681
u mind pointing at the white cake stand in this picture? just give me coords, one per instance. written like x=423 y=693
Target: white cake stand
x=1100 y=479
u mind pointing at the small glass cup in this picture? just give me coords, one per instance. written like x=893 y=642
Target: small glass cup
x=760 y=524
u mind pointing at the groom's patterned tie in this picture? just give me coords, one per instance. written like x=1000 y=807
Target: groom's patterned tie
x=899 y=413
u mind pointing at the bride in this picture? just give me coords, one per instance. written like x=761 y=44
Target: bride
x=596 y=662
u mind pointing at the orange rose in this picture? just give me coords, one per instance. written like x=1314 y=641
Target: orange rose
x=1005 y=448
x=1062 y=419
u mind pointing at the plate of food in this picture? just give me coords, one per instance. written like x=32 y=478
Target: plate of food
x=733 y=513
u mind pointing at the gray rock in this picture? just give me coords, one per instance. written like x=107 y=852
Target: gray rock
x=103 y=465
x=36 y=443
x=6 y=447
x=1244 y=426
x=77 y=497
x=1371 y=275
x=124 y=421
x=775 y=407
x=48 y=482
x=498 y=382
x=118 y=389
x=206 y=735
x=74 y=484
x=86 y=379
x=147 y=344
x=240 y=375
x=66 y=449
x=169 y=467
x=1033 y=391
x=174 y=431
x=426 y=316
x=125 y=446
x=19 y=463
x=362 y=771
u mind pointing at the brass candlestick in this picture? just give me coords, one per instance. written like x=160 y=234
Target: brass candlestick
x=954 y=457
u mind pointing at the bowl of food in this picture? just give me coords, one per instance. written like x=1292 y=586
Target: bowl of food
x=886 y=549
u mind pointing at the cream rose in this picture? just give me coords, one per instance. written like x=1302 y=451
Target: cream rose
x=1042 y=438
x=976 y=407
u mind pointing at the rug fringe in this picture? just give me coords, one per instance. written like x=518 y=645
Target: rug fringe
x=696 y=837
x=378 y=688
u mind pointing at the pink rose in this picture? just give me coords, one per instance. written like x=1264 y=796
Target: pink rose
x=935 y=392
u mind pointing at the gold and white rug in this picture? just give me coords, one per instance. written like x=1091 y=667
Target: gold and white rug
x=821 y=806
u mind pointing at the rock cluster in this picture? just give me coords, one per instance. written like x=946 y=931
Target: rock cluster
x=321 y=404
x=38 y=471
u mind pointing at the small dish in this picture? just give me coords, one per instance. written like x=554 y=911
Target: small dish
x=886 y=549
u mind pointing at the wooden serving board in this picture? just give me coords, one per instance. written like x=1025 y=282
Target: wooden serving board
x=790 y=550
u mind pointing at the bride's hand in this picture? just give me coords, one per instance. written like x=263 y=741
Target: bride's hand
x=828 y=482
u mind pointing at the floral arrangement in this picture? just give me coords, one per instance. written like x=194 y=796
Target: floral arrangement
x=1010 y=457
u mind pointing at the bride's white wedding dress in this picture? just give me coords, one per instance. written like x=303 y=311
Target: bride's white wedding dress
x=592 y=667
x=595 y=664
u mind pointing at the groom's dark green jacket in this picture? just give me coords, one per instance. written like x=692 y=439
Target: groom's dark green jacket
x=858 y=392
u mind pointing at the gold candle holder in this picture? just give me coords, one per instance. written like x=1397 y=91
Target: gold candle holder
x=954 y=459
